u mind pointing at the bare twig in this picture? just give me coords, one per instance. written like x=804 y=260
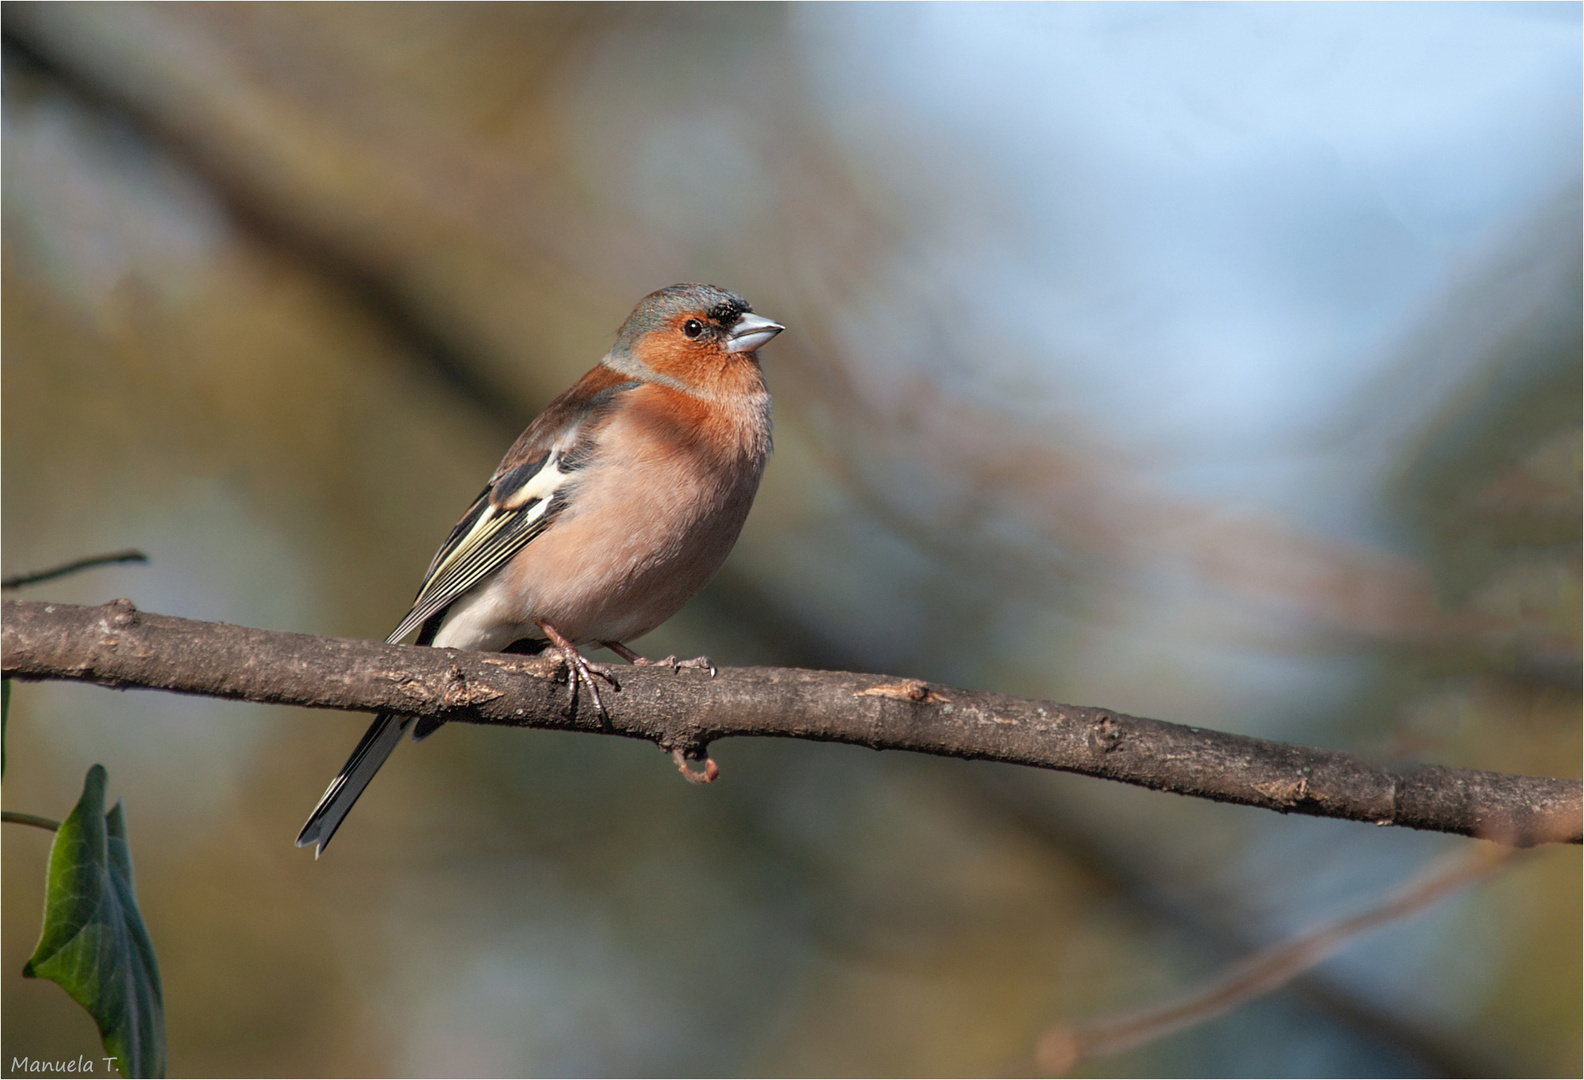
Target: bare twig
x=17 y=817
x=1064 y=1046
x=1217 y=926
x=116 y=645
x=16 y=581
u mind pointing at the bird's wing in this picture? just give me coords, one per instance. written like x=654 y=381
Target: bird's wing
x=516 y=506
x=522 y=499
x=481 y=544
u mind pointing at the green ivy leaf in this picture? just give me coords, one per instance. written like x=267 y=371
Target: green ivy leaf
x=94 y=943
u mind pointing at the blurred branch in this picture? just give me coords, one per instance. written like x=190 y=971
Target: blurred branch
x=364 y=283
x=17 y=817
x=115 y=645
x=1064 y=1046
x=16 y=581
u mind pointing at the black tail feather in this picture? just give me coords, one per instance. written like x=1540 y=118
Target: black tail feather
x=372 y=750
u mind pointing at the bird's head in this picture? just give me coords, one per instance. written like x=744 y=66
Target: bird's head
x=691 y=334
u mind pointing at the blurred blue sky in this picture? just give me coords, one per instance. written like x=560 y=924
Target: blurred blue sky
x=1218 y=221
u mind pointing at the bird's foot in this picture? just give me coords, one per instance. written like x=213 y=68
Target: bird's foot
x=580 y=671
x=703 y=663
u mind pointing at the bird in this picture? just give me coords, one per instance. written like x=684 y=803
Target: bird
x=616 y=505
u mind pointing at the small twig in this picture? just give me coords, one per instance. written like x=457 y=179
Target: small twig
x=16 y=817
x=707 y=776
x=1063 y=1046
x=16 y=581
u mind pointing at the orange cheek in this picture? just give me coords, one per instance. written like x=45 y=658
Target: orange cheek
x=695 y=363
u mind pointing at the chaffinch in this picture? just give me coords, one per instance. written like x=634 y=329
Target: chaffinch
x=618 y=503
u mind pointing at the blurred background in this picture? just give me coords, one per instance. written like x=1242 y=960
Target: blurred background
x=1213 y=363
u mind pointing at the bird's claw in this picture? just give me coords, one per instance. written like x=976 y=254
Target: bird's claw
x=581 y=670
x=703 y=663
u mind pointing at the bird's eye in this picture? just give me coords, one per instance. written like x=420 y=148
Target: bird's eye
x=692 y=328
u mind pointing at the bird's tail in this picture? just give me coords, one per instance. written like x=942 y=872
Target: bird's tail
x=372 y=750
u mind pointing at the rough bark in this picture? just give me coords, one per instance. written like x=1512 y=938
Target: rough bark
x=117 y=646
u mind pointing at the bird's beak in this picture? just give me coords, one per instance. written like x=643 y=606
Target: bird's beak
x=750 y=332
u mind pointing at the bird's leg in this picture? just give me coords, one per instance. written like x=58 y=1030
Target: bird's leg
x=702 y=662
x=578 y=670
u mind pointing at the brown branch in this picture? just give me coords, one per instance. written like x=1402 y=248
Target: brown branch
x=118 y=646
x=1064 y=1046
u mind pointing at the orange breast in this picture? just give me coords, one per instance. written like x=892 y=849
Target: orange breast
x=649 y=521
